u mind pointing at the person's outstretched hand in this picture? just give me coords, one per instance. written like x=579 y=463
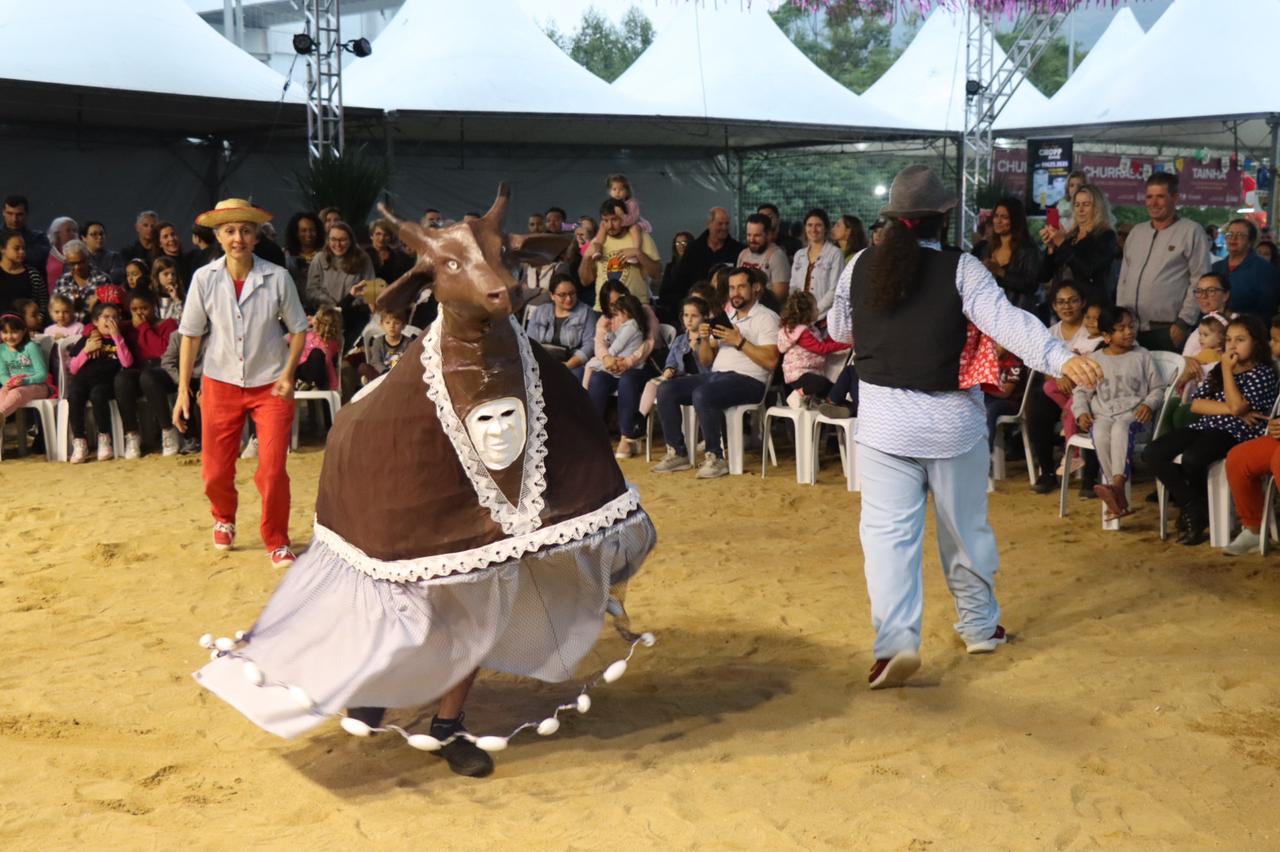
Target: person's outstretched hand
x=1083 y=371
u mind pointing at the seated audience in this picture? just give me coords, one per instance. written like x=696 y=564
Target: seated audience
x=24 y=374
x=817 y=265
x=81 y=281
x=148 y=339
x=318 y=365
x=625 y=374
x=1232 y=405
x=386 y=349
x=566 y=326
x=18 y=279
x=804 y=355
x=95 y=360
x=742 y=351
x=1121 y=407
x=1248 y=465
x=63 y=314
x=1010 y=255
x=682 y=355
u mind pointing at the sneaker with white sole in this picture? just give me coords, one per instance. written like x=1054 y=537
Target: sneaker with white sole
x=105 y=451
x=169 y=442
x=250 y=450
x=713 y=467
x=626 y=448
x=795 y=400
x=986 y=646
x=672 y=462
x=1245 y=542
x=894 y=671
x=224 y=535
x=282 y=557
x=132 y=445
x=79 y=451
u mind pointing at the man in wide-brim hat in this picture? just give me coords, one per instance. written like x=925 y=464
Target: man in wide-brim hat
x=238 y=302
x=907 y=305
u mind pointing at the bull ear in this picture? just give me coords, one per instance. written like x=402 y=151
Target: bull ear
x=538 y=249
x=403 y=294
x=498 y=212
x=410 y=232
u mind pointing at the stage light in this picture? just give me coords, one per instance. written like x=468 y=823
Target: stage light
x=303 y=44
x=880 y=190
x=359 y=46
x=972 y=87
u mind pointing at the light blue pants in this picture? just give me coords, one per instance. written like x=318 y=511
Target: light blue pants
x=894 y=495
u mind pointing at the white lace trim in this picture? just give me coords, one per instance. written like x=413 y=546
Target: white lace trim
x=462 y=562
x=523 y=517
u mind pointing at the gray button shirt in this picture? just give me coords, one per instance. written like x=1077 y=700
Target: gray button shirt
x=246 y=345
x=1159 y=271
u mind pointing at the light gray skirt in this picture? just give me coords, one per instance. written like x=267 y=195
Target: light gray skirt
x=335 y=637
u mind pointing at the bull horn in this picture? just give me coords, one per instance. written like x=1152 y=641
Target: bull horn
x=498 y=212
x=402 y=225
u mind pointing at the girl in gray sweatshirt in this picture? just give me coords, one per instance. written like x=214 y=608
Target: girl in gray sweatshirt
x=1120 y=407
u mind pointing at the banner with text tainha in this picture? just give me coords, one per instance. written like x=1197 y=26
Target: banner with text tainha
x=1123 y=178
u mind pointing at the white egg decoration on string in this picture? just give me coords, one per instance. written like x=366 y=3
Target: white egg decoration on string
x=584 y=703
x=206 y=641
x=253 y=674
x=224 y=643
x=240 y=634
x=424 y=742
x=300 y=695
x=491 y=743
x=648 y=640
x=615 y=670
x=355 y=727
x=548 y=726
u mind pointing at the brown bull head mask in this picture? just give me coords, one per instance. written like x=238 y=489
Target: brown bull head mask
x=467 y=265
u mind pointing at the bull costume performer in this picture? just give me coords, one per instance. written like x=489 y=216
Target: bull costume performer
x=509 y=534
x=915 y=313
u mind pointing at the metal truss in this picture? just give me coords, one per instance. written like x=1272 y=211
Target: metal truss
x=326 y=134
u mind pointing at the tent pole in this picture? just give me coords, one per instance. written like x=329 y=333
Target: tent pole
x=1273 y=205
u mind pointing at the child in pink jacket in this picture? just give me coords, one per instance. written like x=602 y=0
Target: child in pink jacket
x=804 y=355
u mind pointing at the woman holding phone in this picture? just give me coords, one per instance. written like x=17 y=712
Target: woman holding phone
x=1088 y=249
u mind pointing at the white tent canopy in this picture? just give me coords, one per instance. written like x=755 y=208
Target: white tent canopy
x=1110 y=59
x=131 y=45
x=732 y=62
x=926 y=85
x=1171 y=90
x=445 y=56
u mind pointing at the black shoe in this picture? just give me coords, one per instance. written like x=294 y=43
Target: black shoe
x=371 y=716
x=1153 y=497
x=1194 y=534
x=1046 y=484
x=463 y=756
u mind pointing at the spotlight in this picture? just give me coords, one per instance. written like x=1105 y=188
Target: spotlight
x=359 y=46
x=880 y=190
x=972 y=87
x=303 y=44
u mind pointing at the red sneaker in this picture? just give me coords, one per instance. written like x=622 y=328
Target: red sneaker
x=282 y=557
x=224 y=535
x=986 y=646
x=894 y=671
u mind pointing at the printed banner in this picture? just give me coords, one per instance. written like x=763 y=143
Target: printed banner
x=1050 y=163
x=1122 y=178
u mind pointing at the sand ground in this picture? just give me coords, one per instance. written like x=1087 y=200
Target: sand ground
x=1137 y=708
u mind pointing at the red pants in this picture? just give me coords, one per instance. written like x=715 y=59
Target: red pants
x=222 y=409
x=1247 y=465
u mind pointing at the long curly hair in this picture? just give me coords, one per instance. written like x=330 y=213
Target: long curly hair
x=896 y=259
x=800 y=309
x=1259 y=357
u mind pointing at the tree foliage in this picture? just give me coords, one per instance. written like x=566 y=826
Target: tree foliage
x=1050 y=70
x=601 y=47
x=852 y=45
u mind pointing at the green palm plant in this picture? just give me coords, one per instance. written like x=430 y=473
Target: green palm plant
x=351 y=182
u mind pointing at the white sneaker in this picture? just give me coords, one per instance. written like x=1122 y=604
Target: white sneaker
x=795 y=400
x=713 y=467
x=169 y=442
x=250 y=450
x=79 y=450
x=132 y=445
x=672 y=462
x=1245 y=542
x=105 y=452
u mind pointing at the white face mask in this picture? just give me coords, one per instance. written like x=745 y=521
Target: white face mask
x=498 y=430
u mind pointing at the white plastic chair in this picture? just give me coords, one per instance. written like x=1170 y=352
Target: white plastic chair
x=332 y=397
x=63 y=427
x=1170 y=365
x=998 y=451
x=802 y=424
x=847 y=442
x=1269 y=526
x=688 y=426
x=735 y=417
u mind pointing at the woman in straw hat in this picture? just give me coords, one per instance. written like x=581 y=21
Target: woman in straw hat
x=238 y=302
x=920 y=421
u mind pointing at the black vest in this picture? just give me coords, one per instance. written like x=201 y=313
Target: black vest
x=916 y=345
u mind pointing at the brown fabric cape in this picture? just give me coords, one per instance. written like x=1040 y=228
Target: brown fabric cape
x=392 y=484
